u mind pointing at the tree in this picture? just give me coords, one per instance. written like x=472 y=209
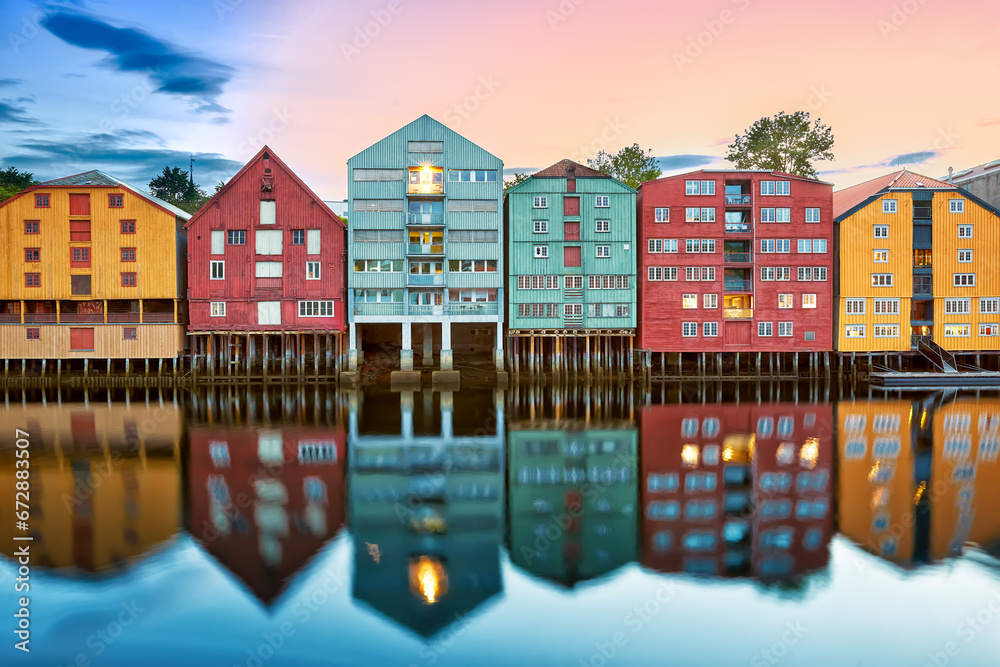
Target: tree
x=631 y=165
x=786 y=142
x=175 y=186
x=220 y=185
x=518 y=177
x=13 y=181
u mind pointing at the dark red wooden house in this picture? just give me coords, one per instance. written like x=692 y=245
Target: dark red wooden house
x=266 y=276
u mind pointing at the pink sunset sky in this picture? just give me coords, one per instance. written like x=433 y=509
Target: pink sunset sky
x=902 y=83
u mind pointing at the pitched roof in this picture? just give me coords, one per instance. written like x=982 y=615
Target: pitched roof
x=569 y=169
x=96 y=177
x=845 y=200
x=966 y=175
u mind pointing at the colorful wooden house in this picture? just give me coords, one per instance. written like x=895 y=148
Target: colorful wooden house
x=94 y=268
x=572 y=270
x=425 y=247
x=917 y=264
x=736 y=261
x=266 y=275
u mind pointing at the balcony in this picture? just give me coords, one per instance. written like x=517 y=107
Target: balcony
x=39 y=318
x=425 y=249
x=737 y=227
x=424 y=280
x=738 y=313
x=732 y=285
x=267 y=283
x=922 y=212
x=81 y=318
x=923 y=286
x=118 y=318
x=425 y=219
x=10 y=318
x=739 y=200
x=453 y=309
x=738 y=257
x=362 y=308
x=158 y=318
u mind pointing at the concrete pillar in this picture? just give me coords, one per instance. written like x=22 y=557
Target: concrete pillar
x=498 y=352
x=406 y=410
x=447 y=355
x=355 y=345
x=447 y=408
x=406 y=352
x=428 y=346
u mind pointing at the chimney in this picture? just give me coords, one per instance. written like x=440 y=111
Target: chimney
x=951 y=171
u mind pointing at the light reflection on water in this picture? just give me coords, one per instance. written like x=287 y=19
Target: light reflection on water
x=434 y=528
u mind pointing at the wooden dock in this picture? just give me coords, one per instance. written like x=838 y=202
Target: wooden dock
x=923 y=381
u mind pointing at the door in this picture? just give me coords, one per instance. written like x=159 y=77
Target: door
x=572 y=256
x=81 y=339
x=268 y=312
x=268 y=242
x=79 y=204
x=737 y=332
x=571 y=206
x=571 y=231
x=267 y=213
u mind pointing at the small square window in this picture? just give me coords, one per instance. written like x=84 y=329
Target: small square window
x=128 y=254
x=604 y=251
x=116 y=201
x=312 y=270
x=236 y=237
x=602 y=201
x=956 y=206
x=218 y=309
x=128 y=280
x=128 y=226
x=540 y=202
x=130 y=333
x=31 y=226
x=41 y=201
x=32 y=254
x=662 y=214
x=601 y=226
x=541 y=226
x=541 y=251
x=32 y=280
x=890 y=206
x=218 y=270
x=298 y=237
x=33 y=333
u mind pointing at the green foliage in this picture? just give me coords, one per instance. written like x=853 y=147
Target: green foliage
x=174 y=186
x=220 y=185
x=13 y=181
x=786 y=142
x=631 y=165
x=518 y=177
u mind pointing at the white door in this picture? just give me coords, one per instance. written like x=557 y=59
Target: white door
x=218 y=242
x=268 y=270
x=269 y=242
x=268 y=312
x=267 y=215
x=312 y=241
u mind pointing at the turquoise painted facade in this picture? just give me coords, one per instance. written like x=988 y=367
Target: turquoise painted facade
x=425 y=236
x=545 y=234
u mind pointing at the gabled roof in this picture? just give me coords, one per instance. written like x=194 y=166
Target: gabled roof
x=849 y=198
x=431 y=128
x=966 y=175
x=98 y=178
x=259 y=156
x=569 y=169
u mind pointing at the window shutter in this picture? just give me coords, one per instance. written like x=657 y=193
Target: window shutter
x=79 y=205
x=268 y=270
x=572 y=256
x=218 y=242
x=269 y=242
x=267 y=213
x=268 y=312
x=312 y=241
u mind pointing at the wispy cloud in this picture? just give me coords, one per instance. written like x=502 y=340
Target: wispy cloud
x=14 y=111
x=4 y=83
x=988 y=122
x=509 y=172
x=174 y=70
x=675 y=162
x=901 y=160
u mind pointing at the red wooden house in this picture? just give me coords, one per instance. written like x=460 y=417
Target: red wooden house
x=266 y=275
x=736 y=261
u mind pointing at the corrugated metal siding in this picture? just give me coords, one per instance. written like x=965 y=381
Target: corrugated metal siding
x=477 y=251
x=379 y=251
x=370 y=279
x=238 y=208
x=155 y=341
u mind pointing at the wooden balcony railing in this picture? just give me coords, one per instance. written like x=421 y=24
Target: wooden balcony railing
x=738 y=313
x=267 y=283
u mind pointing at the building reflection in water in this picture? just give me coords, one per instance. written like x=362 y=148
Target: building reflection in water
x=426 y=507
x=919 y=480
x=737 y=490
x=105 y=480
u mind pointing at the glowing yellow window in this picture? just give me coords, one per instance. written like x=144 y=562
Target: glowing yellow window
x=690 y=300
x=426 y=181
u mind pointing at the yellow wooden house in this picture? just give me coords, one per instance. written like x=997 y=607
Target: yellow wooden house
x=917 y=258
x=93 y=268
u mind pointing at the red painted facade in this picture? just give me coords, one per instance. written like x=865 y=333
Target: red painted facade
x=743 y=297
x=264 y=502
x=298 y=214
x=737 y=490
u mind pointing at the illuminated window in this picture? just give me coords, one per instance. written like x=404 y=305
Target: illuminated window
x=662 y=215
x=786 y=301
x=690 y=301
x=218 y=309
x=854 y=331
x=808 y=300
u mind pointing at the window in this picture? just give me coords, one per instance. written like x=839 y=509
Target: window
x=128 y=280
x=710 y=329
x=268 y=212
x=957 y=330
x=670 y=273
x=607 y=282
x=964 y=279
x=41 y=201
x=767 y=245
x=965 y=231
x=79 y=257
x=689 y=329
x=472 y=175
x=604 y=251
x=128 y=226
x=989 y=306
x=989 y=329
x=654 y=273
x=708 y=245
x=692 y=245
x=79 y=285
x=708 y=273
x=819 y=245
x=886 y=330
x=888 y=306
x=602 y=226
x=32 y=280
x=540 y=202
x=782 y=188
x=472 y=266
x=708 y=188
x=575 y=310
x=812 y=215
x=31 y=226
x=379 y=206
x=957 y=306
x=881 y=231
x=767 y=187
x=33 y=333
x=765 y=328
x=116 y=201
x=956 y=206
x=218 y=270
x=379 y=175
x=689 y=301
x=710 y=301
x=819 y=273
x=767 y=273
x=708 y=215
x=425 y=147
x=655 y=245
x=785 y=329
x=692 y=215
x=545 y=282
x=541 y=226
x=218 y=309
x=312 y=271
x=378 y=265
x=854 y=306
x=661 y=215
x=805 y=245
x=541 y=251
x=692 y=273
x=130 y=333
x=692 y=187
x=854 y=331
x=471 y=236
x=889 y=206
x=602 y=201
x=783 y=246
x=881 y=256
x=783 y=214
x=767 y=215
x=881 y=280
x=32 y=254
x=786 y=300
x=606 y=309
x=783 y=273
x=128 y=254
x=670 y=245
x=964 y=256
x=537 y=310
x=808 y=300
x=315 y=308
x=298 y=237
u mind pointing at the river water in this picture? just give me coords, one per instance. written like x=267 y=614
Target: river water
x=299 y=525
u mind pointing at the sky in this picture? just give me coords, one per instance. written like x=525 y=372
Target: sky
x=132 y=87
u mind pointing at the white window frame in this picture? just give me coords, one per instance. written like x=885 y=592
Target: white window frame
x=602 y=226
x=884 y=229
x=654 y=246
x=710 y=329
x=783 y=188
x=890 y=206
x=819 y=246
x=882 y=280
x=765 y=329
x=853 y=331
x=885 y=330
x=540 y=226
x=217 y=269
x=883 y=252
x=805 y=246
x=670 y=245
x=965 y=256
x=812 y=215
x=318 y=270
x=602 y=201
x=783 y=246
x=670 y=273
x=767 y=246
x=708 y=214
x=955 y=332
x=808 y=300
x=767 y=215
x=319 y=308
x=708 y=188
x=654 y=273
x=785 y=329
x=956 y=206
x=541 y=252
x=885 y=306
x=710 y=301
x=218 y=309
x=661 y=214
x=786 y=301
x=989 y=329
x=767 y=188
x=965 y=231
x=849 y=303
x=602 y=251
x=692 y=188
x=963 y=279
x=783 y=215
x=689 y=329
x=689 y=301
x=540 y=202
x=989 y=305
x=958 y=306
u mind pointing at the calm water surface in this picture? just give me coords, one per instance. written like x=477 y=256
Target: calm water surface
x=302 y=526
